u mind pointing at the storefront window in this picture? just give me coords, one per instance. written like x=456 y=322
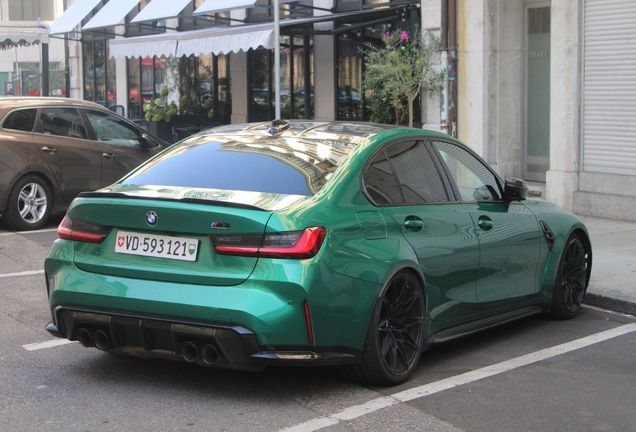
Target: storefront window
x=148 y=92
x=296 y=80
x=223 y=101
x=146 y=78
x=111 y=79
x=260 y=97
x=192 y=83
x=134 y=91
x=302 y=79
x=99 y=72
x=161 y=76
x=89 y=71
x=350 y=66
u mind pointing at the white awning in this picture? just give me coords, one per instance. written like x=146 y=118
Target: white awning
x=113 y=13
x=214 y=6
x=214 y=40
x=144 y=46
x=160 y=9
x=12 y=37
x=217 y=40
x=72 y=16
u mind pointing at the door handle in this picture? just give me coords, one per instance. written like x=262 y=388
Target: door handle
x=414 y=224
x=49 y=149
x=485 y=223
x=108 y=155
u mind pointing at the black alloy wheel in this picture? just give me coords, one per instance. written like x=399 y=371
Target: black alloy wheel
x=572 y=279
x=395 y=335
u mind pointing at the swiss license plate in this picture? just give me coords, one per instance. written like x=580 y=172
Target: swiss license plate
x=158 y=246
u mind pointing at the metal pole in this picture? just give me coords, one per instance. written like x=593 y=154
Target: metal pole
x=45 y=69
x=277 y=59
x=67 y=64
x=452 y=68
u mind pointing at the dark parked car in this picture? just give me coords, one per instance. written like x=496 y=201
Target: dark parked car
x=51 y=149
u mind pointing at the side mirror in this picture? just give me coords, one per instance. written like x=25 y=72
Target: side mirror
x=147 y=142
x=515 y=189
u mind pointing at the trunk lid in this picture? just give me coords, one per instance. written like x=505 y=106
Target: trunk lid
x=155 y=214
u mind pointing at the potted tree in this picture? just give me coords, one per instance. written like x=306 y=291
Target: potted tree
x=398 y=70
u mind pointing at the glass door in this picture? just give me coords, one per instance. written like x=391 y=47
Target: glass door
x=537 y=91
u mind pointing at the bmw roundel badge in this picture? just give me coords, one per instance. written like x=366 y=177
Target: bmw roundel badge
x=151 y=217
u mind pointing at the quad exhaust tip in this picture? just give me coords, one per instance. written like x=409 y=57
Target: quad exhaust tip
x=190 y=351
x=93 y=338
x=194 y=352
x=210 y=354
x=101 y=340
x=85 y=337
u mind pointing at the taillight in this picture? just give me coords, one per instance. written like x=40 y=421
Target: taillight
x=286 y=245
x=82 y=231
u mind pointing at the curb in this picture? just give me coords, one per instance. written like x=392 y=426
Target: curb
x=610 y=303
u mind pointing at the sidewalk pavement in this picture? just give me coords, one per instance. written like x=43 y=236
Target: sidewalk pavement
x=613 y=281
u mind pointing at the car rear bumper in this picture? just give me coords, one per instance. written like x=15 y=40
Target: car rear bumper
x=208 y=345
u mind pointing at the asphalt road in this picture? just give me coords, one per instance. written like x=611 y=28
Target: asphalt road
x=532 y=375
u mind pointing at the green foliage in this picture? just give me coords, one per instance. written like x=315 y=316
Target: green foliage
x=398 y=71
x=381 y=109
x=188 y=84
x=160 y=109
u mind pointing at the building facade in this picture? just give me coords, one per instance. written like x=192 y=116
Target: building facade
x=547 y=93
x=543 y=90
x=21 y=60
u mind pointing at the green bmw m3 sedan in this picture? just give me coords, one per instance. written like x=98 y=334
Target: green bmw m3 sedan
x=353 y=245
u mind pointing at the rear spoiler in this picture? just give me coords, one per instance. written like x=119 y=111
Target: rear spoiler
x=120 y=195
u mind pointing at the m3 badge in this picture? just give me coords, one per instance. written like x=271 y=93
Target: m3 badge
x=220 y=225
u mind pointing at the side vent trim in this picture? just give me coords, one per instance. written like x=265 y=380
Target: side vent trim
x=547 y=232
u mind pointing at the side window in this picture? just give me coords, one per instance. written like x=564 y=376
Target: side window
x=64 y=122
x=113 y=130
x=21 y=120
x=418 y=177
x=380 y=183
x=404 y=173
x=474 y=180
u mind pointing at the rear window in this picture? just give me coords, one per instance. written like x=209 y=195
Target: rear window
x=269 y=168
x=21 y=120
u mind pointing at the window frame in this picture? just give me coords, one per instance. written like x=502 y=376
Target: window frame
x=448 y=186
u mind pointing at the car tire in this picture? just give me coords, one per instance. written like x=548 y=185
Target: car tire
x=395 y=335
x=29 y=204
x=570 y=285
